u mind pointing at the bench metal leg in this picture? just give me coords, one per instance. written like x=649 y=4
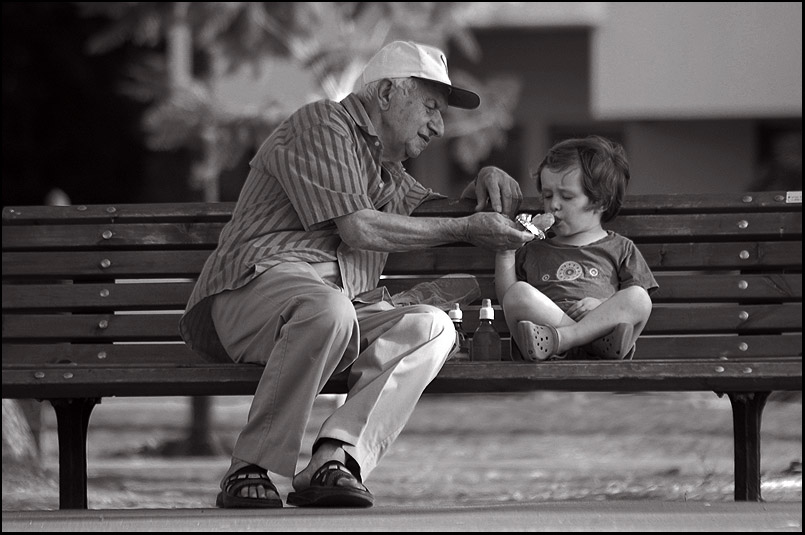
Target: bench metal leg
x=747 y=409
x=72 y=417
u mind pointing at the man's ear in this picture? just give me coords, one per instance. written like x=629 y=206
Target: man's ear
x=384 y=91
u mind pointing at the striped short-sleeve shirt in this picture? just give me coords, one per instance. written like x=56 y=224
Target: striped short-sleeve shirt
x=321 y=163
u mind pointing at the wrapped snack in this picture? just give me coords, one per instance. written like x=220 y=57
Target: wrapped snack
x=537 y=224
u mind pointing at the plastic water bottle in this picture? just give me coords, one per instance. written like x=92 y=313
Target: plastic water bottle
x=463 y=352
x=486 y=340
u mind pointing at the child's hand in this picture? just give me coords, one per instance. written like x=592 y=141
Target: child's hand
x=581 y=307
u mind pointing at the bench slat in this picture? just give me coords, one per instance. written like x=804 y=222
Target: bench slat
x=659 y=256
x=687 y=288
x=588 y=376
x=96 y=297
x=665 y=319
x=173 y=295
x=103 y=264
x=111 y=213
x=112 y=236
x=436 y=261
x=199 y=211
x=185 y=235
x=708 y=226
x=176 y=354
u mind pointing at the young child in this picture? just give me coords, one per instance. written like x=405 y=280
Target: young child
x=583 y=293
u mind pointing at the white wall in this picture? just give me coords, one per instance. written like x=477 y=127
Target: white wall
x=696 y=60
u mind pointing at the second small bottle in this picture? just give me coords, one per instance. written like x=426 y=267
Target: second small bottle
x=485 y=340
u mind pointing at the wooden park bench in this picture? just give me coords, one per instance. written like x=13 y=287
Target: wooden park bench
x=92 y=297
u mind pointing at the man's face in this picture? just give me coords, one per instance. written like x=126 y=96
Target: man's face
x=413 y=119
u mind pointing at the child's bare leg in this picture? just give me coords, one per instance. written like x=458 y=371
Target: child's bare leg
x=523 y=302
x=631 y=305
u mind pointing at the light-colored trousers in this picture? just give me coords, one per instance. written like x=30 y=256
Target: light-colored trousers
x=304 y=330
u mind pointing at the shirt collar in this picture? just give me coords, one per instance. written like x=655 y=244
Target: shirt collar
x=355 y=108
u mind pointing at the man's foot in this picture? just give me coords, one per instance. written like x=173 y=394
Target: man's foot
x=332 y=485
x=540 y=341
x=249 y=487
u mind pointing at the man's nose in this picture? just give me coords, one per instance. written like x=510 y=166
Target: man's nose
x=436 y=125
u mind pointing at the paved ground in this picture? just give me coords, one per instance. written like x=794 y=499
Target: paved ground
x=536 y=461
x=619 y=516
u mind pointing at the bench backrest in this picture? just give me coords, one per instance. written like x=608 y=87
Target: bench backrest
x=90 y=286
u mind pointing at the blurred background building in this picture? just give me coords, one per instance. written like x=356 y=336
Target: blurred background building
x=139 y=102
x=706 y=97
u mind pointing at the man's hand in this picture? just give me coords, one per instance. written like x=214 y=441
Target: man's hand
x=495 y=231
x=497 y=188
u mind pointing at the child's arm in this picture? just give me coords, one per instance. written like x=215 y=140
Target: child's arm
x=504 y=273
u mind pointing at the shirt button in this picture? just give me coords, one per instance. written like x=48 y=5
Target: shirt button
x=377 y=143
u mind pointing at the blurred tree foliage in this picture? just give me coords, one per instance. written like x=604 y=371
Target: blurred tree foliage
x=196 y=44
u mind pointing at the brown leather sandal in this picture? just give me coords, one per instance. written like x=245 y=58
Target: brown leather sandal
x=248 y=476
x=333 y=485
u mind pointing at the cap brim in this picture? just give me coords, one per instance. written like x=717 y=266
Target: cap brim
x=458 y=98
x=462 y=98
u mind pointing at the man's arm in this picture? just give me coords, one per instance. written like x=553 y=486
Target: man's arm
x=380 y=231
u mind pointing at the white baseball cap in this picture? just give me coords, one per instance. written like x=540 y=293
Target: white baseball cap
x=401 y=59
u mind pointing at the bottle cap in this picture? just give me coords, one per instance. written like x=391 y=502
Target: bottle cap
x=487 y=312
x=455 y=312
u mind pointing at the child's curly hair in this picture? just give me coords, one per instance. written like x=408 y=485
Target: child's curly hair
x=604 y=170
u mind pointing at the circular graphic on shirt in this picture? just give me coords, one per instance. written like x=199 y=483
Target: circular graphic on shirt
x=546 y=278
x=593 y=272
x=569 y=271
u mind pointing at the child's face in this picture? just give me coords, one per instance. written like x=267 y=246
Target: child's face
x=564 y=197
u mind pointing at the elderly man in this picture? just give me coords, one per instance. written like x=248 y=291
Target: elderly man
x=293 y=283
